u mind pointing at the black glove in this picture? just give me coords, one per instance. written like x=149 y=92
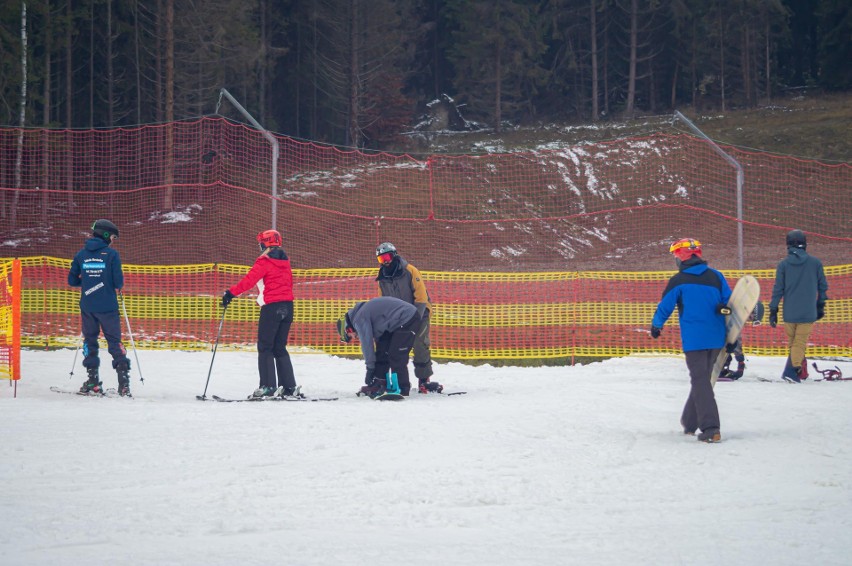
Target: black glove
x=820 y=309
x=227 y=297
x=773 y=317
x=730 y=347
x=655 y=332
x=722 y=308
x=368 y=379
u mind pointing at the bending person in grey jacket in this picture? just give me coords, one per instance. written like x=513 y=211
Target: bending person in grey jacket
x=386 y=327
x=800 y=282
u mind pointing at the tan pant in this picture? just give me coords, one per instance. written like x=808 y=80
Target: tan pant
x=797 y=340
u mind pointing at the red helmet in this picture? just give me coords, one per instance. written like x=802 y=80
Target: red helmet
x=686 y=248
x=269 y=238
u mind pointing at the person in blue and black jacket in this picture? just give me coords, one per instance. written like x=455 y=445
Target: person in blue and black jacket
x=700 y=294
x=96 y=269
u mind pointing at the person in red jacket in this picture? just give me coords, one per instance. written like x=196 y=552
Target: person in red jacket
x=273 y=276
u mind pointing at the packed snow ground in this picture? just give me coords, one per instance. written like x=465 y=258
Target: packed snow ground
x=575 y=465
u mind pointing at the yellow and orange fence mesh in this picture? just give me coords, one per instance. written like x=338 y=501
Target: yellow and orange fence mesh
x=10 y=319
x=505 y=316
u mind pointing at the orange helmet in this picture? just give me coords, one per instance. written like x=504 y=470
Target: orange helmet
x=269 y=238
x=686 y=248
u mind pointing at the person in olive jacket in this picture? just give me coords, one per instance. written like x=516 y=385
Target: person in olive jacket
x=800 y=282
x=398 y=278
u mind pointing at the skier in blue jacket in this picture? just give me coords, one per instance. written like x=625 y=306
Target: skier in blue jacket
x=700 y=295
x=96 y=269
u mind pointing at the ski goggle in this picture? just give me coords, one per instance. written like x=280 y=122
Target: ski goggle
x=385 y=258
x=680 y=244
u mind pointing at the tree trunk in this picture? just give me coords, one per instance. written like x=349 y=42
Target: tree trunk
x=264 y=50
x=594 y=37
x=45 y=138
x=673 y=101
x=92 y=64
x=498 y=84
x=138 y=62
x=110 y=72
x=69 y=98
x=722 y=58
x=170 y=105
x=22 y=119
x=158 y=79
x=768 y=66
x=354 y=87
x=631 y=80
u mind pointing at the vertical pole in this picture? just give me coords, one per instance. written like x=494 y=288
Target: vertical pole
x=740 y=181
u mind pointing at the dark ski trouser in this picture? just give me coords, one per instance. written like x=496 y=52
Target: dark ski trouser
x=700 y=411
x=273 y=330
x=422 y=354
x=392 y=349
x=110 y=323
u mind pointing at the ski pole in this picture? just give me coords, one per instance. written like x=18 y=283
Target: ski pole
x=74 y=363
x=203 y=396
x=130 y=333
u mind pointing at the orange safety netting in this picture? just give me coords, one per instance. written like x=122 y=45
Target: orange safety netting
x=547 y=253
x=533 y=315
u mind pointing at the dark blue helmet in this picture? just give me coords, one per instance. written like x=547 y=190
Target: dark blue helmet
x=104 y=229
x=796 y=239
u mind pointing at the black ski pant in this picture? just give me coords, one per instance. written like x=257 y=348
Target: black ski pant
x=700 y=411
x=392 y=349
x=110 y=323
x=273 y=330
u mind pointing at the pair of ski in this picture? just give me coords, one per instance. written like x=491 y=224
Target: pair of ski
x=104 y=393
x=295 y=397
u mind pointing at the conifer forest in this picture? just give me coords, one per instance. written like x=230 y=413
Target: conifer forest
x=361 y=72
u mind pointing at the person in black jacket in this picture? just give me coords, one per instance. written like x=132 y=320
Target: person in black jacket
x=800 y=281
x=96 y=269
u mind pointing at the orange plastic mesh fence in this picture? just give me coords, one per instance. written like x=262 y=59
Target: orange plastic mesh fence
x=476 y=316
x=542 y=253
x=10 y=319
x=598 y=206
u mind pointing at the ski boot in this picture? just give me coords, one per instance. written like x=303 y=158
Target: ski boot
x=123 y=380
x=376 y=388
x=739 y=373
x=262 y=392
x=92 y=385
x=291 y=392
x=426 y=386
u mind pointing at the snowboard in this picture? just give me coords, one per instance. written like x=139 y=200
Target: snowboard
x=742 y=302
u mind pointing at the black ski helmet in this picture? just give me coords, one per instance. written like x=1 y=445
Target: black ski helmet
x=104 y=229
x=796 y=239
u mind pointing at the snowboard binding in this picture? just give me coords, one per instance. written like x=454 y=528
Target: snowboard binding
x=830 y=374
